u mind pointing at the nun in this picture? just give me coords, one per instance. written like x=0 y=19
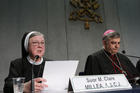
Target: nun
x=33 y=49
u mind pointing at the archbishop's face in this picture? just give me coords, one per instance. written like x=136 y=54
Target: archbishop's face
x=36 y=46
x=112 y=45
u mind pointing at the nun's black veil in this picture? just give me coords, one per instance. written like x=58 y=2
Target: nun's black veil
x=23 y=51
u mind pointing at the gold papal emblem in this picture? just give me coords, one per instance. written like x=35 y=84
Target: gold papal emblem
x=84 y=10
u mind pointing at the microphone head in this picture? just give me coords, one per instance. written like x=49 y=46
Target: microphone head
x=36 y=57
x=123 y=52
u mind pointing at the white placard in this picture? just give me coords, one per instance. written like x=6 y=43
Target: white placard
x=98 y=83
x=57 y=74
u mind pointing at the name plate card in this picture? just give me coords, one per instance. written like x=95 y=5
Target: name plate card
x=98 y=83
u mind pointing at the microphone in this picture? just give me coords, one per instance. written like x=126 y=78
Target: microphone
x=124 y=52
x=32 y=78
x=135 y=80
x=36 y=57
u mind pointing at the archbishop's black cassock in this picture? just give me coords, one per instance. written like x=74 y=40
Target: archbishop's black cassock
x=98 y=63
x=22 y=68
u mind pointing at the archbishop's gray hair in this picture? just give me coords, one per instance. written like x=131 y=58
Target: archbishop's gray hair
x=111 y=35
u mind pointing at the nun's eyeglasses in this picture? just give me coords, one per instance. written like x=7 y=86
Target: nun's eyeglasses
x=38 y=43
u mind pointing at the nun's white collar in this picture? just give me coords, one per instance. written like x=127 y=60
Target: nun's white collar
x=32 y=61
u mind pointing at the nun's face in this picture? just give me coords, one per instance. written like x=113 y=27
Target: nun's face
x=36 y=46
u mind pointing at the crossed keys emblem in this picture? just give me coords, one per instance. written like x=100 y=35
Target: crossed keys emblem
x=84 y=10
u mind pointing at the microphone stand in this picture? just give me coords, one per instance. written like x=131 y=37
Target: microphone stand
x=133 y=56
x=136 y=80
x=32 y=78
x=129 y=55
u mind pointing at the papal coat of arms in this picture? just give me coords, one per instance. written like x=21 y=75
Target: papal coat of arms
x=84 y=10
